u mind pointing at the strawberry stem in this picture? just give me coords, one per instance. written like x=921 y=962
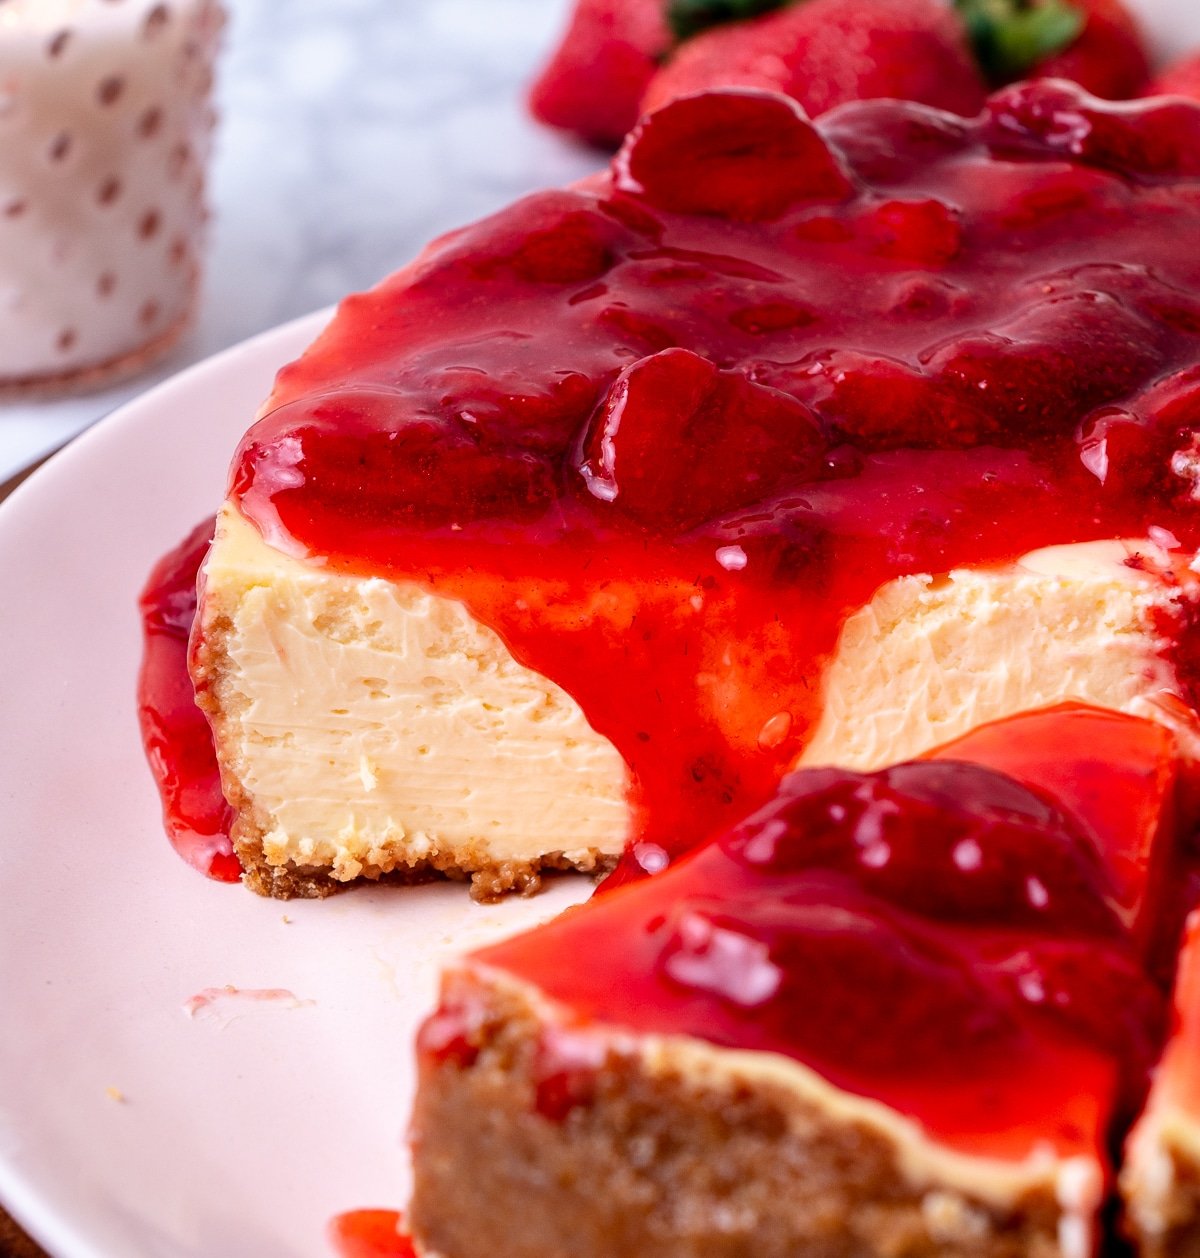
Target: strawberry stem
x=690 y=17
x=1010 y=37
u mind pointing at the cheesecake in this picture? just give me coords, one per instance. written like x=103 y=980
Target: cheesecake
x=893 y=1013
x=779 y=443
x=805 y=514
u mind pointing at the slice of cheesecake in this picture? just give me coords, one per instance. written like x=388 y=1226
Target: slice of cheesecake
x=890 y=1014
x=777 y=443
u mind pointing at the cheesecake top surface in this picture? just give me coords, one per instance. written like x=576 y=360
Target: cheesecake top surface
x=665 y=429
x=757 y=327
x=938 y=936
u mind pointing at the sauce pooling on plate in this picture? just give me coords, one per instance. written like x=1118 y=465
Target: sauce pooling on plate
x=176 y=734
x=371 y=1234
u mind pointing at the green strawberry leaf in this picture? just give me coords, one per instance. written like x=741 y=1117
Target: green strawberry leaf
x=690 y=17
x=1010 y=37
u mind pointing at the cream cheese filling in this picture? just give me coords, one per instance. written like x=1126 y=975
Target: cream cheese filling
x=929 y=658
x=373 y=725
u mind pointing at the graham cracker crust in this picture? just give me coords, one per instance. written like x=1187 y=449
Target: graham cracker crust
x=1179 y=1236
x=489 y=881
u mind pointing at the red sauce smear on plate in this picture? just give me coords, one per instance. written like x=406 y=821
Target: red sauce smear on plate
x=664 y=430
x=370 y=1234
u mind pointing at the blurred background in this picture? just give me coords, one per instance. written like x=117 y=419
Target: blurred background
x=350 y=133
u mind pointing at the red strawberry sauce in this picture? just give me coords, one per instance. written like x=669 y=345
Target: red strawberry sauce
x=664 y=429
x=370 y=1234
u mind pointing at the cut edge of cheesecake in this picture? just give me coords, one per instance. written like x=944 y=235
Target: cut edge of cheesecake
x=931 y=657
x=1160 y=1184
x=367 y=728
x=691 y=1140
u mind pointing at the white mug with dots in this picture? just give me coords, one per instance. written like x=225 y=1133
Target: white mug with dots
x=105 y=122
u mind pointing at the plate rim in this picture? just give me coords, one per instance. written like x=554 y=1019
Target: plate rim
x=77 y=447
x=21 y=1193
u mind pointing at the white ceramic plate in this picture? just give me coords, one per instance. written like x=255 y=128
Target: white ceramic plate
x=244 y=1129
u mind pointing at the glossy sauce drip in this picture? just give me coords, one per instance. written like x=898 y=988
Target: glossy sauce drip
x=663 y=431
x=176 y=734
x=938 y=936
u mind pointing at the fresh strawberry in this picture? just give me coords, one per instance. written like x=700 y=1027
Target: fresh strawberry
x=1181 y=78
x=1109 y=58
x=826 y=52
x=1095 y=43
x=594 y=81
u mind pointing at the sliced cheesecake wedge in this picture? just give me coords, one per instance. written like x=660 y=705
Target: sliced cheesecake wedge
x=366 y=727
x=899 y=1013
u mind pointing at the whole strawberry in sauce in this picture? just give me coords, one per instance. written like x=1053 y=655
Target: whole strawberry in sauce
x=826 y=52
x=594 y=81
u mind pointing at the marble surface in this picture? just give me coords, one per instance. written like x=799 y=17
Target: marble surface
x=352 y=131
